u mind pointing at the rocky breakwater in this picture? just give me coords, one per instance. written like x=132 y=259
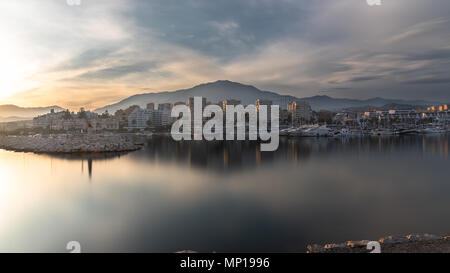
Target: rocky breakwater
x=426 y=243
x=69 y=143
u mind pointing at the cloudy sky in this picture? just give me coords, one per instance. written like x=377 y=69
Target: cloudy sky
x=105 y=50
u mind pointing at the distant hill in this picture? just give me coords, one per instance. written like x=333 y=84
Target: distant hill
x=13 y=119
x=247 y=94
x=10 y=113
x=329 y=103
x=387 y=107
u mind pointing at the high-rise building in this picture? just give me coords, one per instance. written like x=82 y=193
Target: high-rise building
x=165 y=106
x=300 y=111
x=229 y=102
x=151 y=106
x=139 y=119
x=122 y=115
x=268 y=103
x=259 y=102
x=190 y=104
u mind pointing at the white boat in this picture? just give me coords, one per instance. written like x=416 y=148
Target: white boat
x=287 y=132
x=383 y=132
x=432 y=130
x=322 y=131
x=296 y=132
x=345 y=132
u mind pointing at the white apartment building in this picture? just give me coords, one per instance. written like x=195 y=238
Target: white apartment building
x=102 y=123
x=46 y=121
x=141 y=119
x=301 y=112
x=268 y=103
x=229 y=102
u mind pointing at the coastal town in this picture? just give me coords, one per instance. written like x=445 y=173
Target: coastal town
x=88 y=131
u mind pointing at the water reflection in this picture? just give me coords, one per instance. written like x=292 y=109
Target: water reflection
x=89 y=157
x=226 y=156
x=225 y=196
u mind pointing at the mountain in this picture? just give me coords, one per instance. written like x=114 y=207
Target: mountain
x=9 y=113
x=387 y=107
x=329 y=103
x=213 y=92
x=247 y=94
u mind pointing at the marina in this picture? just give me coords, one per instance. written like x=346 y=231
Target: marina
x=340 y=131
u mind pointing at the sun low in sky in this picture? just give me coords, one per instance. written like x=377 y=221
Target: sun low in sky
x=102 y=51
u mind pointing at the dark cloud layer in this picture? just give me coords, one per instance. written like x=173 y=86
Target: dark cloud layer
x=400 y=49
x=223 y=28
x=118 y=71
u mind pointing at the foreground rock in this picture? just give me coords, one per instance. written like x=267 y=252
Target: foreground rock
x=95 y=143
x=392 y=244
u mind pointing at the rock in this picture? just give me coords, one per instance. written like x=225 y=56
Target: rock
x=425 y=237
x=186 y=252
x=414 y=243
x=315 y=248
x=68 y=143
x=336 y=247
x=354 y=244
x=393 y=240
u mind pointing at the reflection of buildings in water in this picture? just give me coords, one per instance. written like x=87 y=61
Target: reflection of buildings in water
x=89 y=167
x=436 y=145
x=225 y=158
x=89 y=157
x=258 y=155
x=238 y=155
x=444 y=148
x=219 y=155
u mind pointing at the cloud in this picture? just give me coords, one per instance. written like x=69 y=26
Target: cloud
x=85 y=59
x=419 y=29
x=118 y=71
x=366 y=78
x=432 y=80
x=105 y=50
x=433 y=55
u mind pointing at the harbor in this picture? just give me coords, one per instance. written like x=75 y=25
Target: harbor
x=343 y=131
x=65 y=143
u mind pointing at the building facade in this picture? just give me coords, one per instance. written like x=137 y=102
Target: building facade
x=300 y=112
x=141 y=119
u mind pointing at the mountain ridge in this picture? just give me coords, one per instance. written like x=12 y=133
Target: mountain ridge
x=247 y=94
x=11 y=112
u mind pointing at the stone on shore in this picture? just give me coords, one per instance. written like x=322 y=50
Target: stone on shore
x=95 y=143
x=426 y=243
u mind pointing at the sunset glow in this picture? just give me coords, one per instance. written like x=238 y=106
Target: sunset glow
x=101 y=52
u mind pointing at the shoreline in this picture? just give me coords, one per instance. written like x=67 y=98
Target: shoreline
x=69 y=144
x=414 y=243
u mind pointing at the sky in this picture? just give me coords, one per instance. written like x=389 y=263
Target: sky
x=102 y=51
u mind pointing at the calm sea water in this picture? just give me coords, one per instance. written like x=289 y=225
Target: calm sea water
x=226 y=197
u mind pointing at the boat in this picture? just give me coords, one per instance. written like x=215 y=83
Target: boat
x=322 y=131
x=432 y=130
x=345 y=132
x=383 y=132
x=297 y=132
x=287 y=132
